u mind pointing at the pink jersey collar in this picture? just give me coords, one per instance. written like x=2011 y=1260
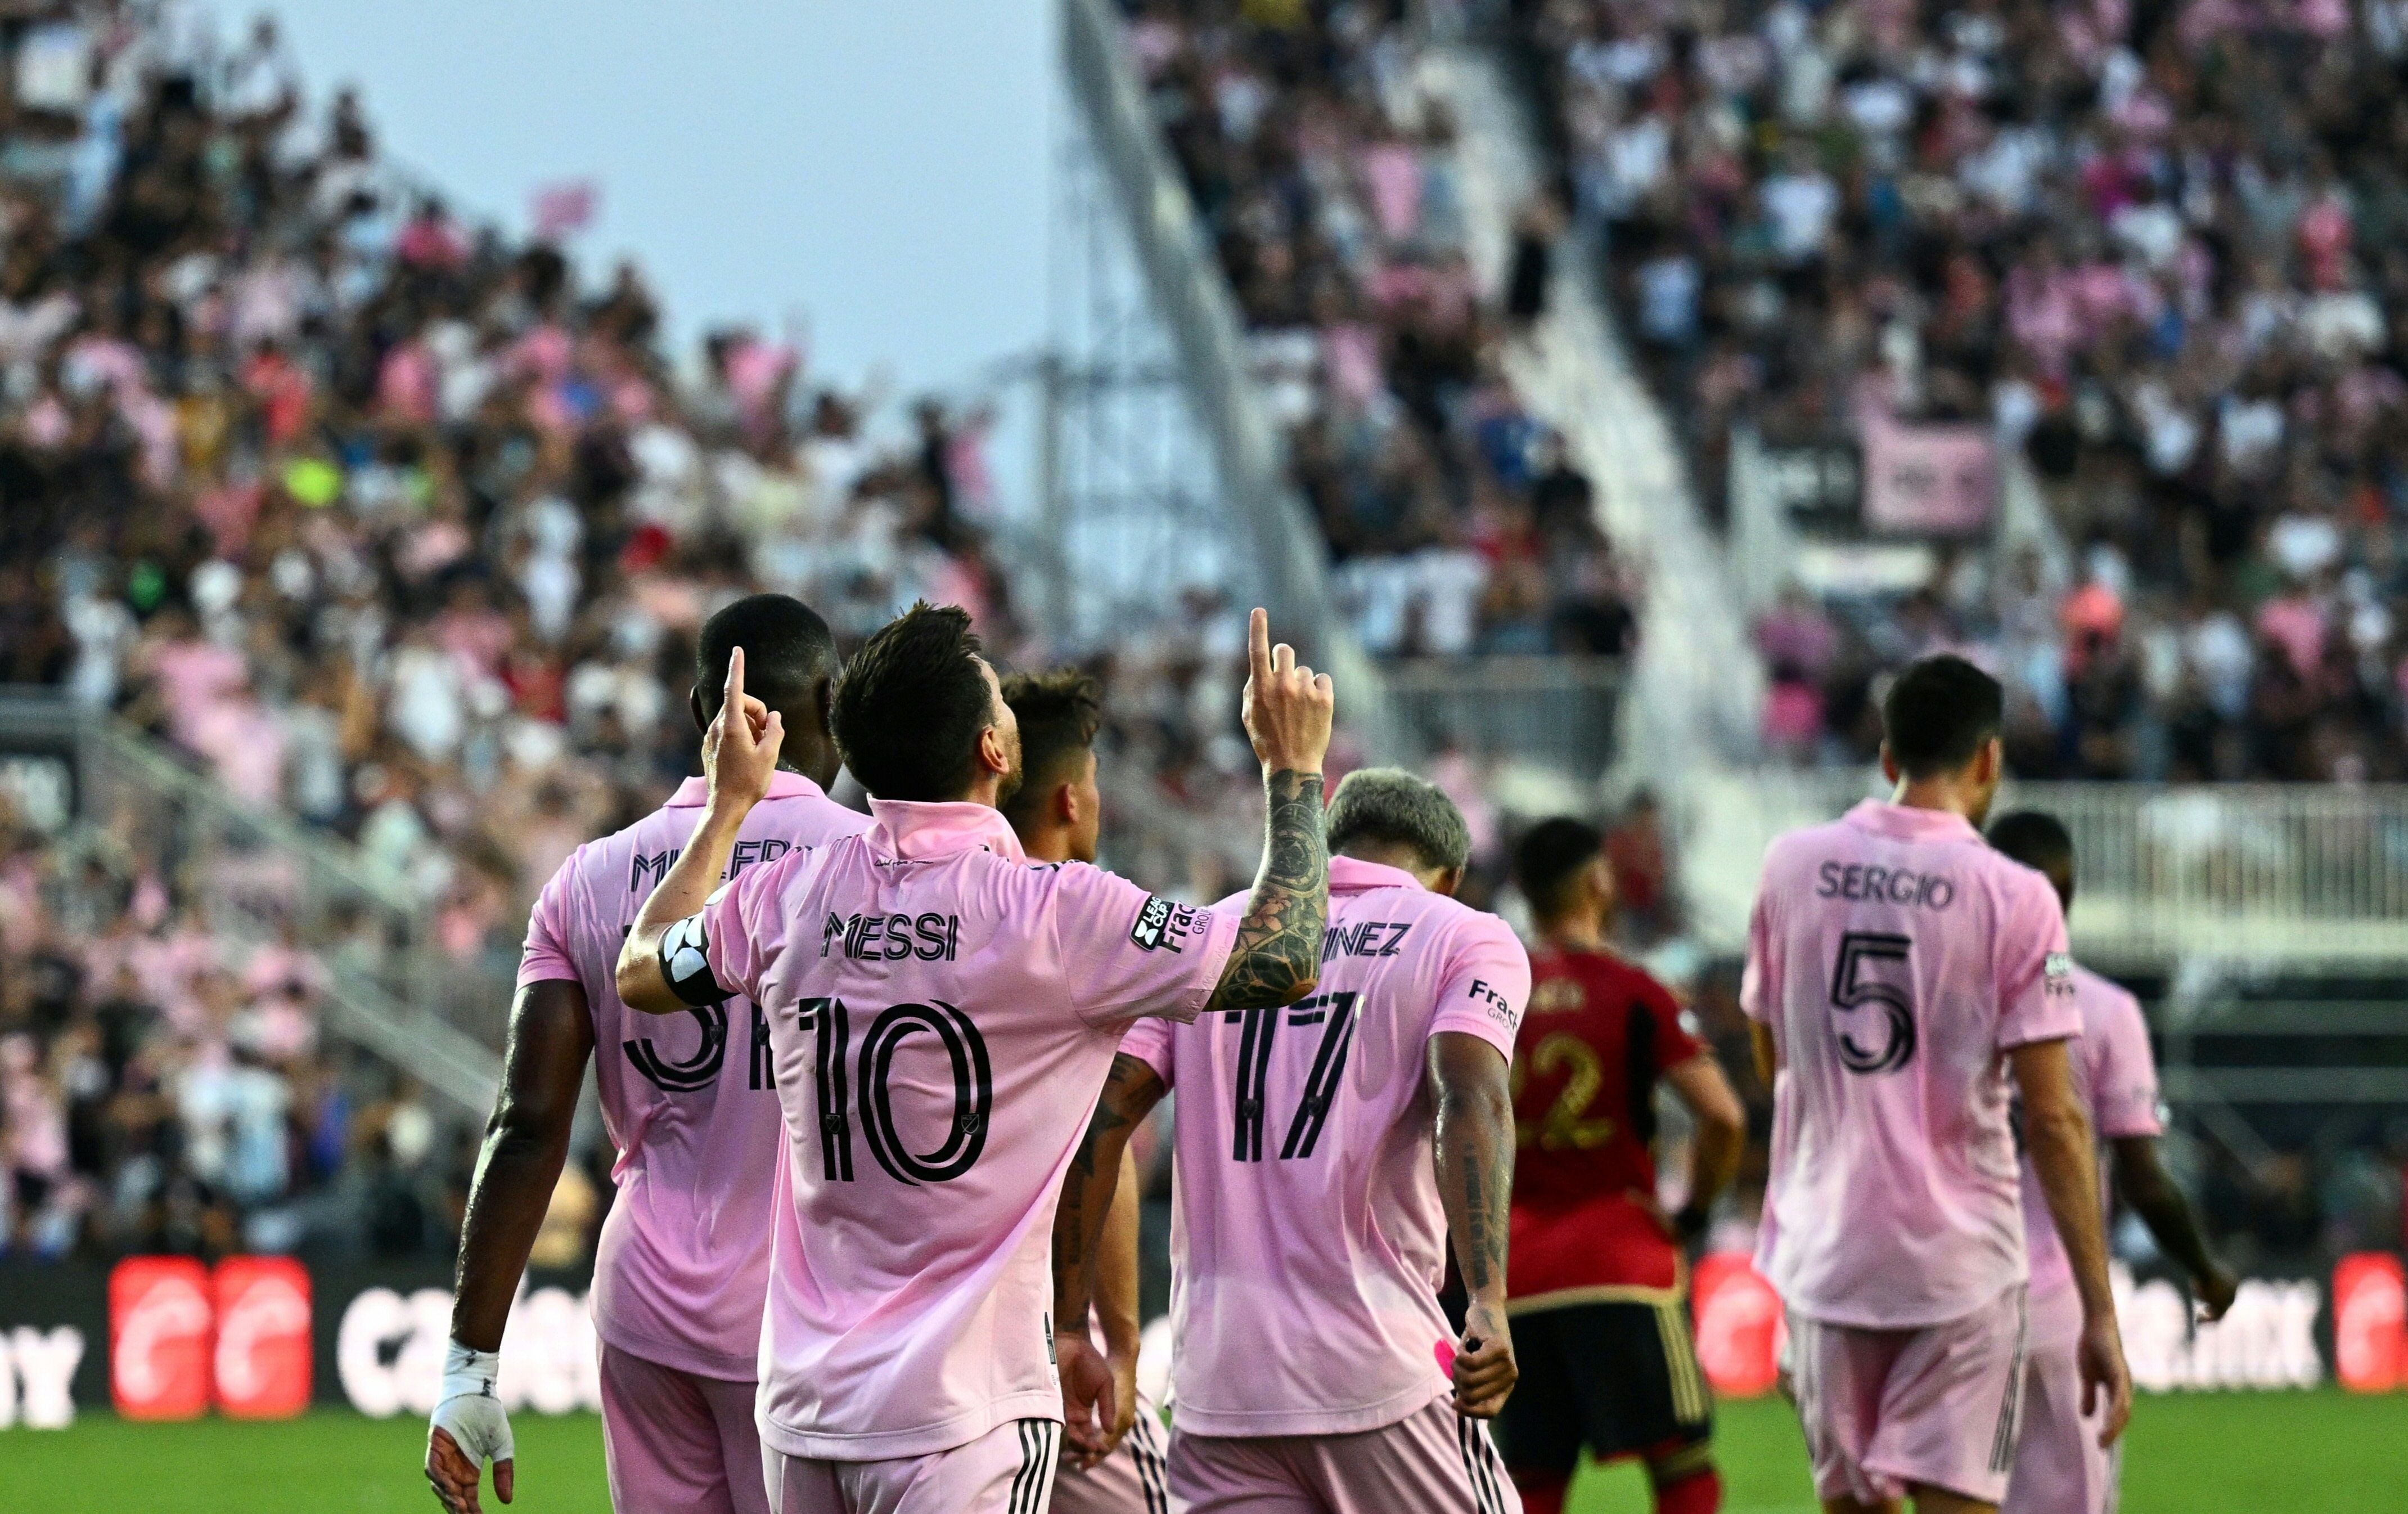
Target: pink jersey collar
x=916 y=830
x=1353 y=875
x=1908 y=823
x=694 y=793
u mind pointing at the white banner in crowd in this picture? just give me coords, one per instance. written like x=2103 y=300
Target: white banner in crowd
x=389 y=1352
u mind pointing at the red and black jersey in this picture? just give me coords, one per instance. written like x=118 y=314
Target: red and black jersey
x=1598 y=1034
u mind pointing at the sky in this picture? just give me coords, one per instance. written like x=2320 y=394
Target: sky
x=876 y=168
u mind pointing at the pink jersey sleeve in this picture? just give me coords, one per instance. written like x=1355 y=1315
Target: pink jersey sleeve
x=739 y=950
x=1130 y=953
x=2123 y=1074
x=1485 y=985
x=1761 y=978
x=1150 y=1041
x=546 y=957
x=2032 y=965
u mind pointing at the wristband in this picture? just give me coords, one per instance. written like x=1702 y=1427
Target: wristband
x=469 y=1373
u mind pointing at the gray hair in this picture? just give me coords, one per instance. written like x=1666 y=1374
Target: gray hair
x=1393 y=807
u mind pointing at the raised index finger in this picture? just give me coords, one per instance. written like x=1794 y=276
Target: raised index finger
x=736 y=678
x=1258 y=645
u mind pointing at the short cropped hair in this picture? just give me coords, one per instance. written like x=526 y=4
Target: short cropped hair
x=2040 y=841
x=1939 y=714
x=787 y=649
x=1551 y=854
x=1059 y=713
x=911 y=706
x=1392 y=807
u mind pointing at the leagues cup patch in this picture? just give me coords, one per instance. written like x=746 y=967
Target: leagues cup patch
x=1162 y=924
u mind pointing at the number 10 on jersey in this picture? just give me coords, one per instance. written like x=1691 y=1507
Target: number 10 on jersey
x=973 y=1077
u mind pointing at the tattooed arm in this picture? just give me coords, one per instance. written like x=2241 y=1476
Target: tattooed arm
x=1475 y=1178
x=1287 y=711
x=1129 y=1095
x=1277 y=959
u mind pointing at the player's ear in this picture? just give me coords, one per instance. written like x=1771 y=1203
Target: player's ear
x=1889 y=764
x=824 y=700
x=1065 y=804
x=1991 y=763
x=1448 y=881
x=693 y=707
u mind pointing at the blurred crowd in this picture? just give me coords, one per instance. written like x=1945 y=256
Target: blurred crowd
x=2152 y=247
x=386 y=522
x=1326 y=183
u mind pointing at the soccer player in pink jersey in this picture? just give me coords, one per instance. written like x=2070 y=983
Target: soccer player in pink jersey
x=683 y=1262
x=1058 y=817
x=942 y=1015
x=2060 y=1468
x=1314 y=1363
x=1900 y=970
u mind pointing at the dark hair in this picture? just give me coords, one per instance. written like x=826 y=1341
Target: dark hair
x=1392 y=807
x=787 y=649
x=1939 y=713
x=908 y=712
x=1059 y=713
x=1551 y=856
x=2038 y=841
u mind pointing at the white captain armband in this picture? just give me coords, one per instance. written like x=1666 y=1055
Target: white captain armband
x=685 y=963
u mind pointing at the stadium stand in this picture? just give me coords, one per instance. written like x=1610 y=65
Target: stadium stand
x=2149 y=249
x=1457 y=523
x=384 y=524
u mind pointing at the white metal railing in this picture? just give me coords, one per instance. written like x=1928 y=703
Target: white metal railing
x=2295 y=874
x=1557 y=712
x=254 y=873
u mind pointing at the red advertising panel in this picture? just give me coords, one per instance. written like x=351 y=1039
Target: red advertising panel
x=159 y=1338
x=1739 y=1325
x=2370 y=1324
x=263 y=1348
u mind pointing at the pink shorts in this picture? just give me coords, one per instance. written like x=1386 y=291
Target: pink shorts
x=1886 y=1411
x=2059 y=1468
x=1008 y=1470
x=675 y=1440
x=1434 y=1461
x=1134 y=1480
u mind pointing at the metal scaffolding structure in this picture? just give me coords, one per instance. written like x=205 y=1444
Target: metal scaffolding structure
x=1131 y=501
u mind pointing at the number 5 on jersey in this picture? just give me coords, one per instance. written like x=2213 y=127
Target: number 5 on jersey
x=831 y=1023
x=1853 y=989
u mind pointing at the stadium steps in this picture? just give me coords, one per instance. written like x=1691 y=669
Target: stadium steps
x=105 y=785
x=1687 y=721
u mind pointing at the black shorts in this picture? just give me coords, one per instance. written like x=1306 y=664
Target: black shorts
x=1618 y=1378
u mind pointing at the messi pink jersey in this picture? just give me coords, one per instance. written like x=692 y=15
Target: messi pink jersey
x=683 y=1260
x=1897 y=958
x=2117 y=1080
x=1308 y=1241
x=941 y=1017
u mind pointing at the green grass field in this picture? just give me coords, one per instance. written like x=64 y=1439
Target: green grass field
x=2263 y=1454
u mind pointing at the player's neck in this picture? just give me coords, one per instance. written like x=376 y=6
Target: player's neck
x=1572 y=935
x=1943 y=794
x=1047 y=845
